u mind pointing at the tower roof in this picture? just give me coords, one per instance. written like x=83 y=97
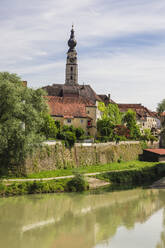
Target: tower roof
x=72 y=42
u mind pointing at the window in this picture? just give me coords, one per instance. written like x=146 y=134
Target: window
x=89 y=123
x=71 y=68
x=88 y=112
x=69 y=120
x=81 y=121
x=71 y=77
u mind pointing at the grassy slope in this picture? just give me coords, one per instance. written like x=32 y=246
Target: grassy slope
x=94 y=168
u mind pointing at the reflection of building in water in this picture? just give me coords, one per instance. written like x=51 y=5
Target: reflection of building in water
x=66 y=220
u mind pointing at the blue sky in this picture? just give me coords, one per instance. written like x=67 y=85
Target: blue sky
x=121 y=45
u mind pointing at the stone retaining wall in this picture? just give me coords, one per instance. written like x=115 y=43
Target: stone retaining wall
x=51 y=157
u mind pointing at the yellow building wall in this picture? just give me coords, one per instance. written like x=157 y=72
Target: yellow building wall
x=78 y=122
x=92 y=112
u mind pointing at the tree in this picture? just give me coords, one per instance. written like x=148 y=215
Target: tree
x=130 y=120
x=49 y=128
x=161 y=106
x=111 y=113
x=105 y=129
x=111 y=116
x=21 y=110
x=147 y=134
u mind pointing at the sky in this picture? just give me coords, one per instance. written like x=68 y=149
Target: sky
x=120 y=45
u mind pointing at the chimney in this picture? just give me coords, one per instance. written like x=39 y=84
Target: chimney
x=109 y=97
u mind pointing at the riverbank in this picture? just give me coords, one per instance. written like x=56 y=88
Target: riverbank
x=139 y=174
x=62 y=173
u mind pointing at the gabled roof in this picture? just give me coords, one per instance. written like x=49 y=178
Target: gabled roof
x=140 y=110
x=106 y=99
x=64 y=90
x=67 y=107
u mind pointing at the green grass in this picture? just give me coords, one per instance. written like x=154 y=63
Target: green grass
x=132 y=173
x=92 y=169
x=34 y=187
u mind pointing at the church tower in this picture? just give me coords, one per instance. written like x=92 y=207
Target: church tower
x=71 y=74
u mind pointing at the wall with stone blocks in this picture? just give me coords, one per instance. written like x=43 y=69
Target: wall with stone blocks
x=56 y=156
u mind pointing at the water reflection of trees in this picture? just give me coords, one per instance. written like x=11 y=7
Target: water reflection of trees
x=161 y=243
x=79 y=220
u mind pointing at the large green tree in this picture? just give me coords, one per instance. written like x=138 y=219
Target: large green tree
x=21 y=111
x=111 y=116
x=161 y=106
x=130 y=120
x=49 y=128
x=111 y=113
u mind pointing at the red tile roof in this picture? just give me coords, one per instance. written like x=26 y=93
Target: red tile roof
x=157 y=151
x=140 y=110
x=68 y=107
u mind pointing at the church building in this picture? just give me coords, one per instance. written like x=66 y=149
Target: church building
x=77 y=105
x=72 y=103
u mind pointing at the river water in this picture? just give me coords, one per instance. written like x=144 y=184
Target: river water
x=131 y=219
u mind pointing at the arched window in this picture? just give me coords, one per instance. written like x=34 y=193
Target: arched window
x=71 y=77
x=71 y=68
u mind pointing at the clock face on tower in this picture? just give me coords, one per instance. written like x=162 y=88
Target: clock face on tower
x=71 y=60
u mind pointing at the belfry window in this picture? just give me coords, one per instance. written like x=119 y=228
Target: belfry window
x=71 y=68
x=71 y=77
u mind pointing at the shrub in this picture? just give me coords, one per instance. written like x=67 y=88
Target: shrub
x=70 y=138
x=135 y=177
x=143 y=144
x=79 y=132
x=35 y=187
x=105 y=128
x=48 y=128
x=77 y=184
x=153 y=138
x=2 y=188
x=57 y=123
x=122 y=131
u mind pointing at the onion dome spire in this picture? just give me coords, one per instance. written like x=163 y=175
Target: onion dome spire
x=72 y=42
